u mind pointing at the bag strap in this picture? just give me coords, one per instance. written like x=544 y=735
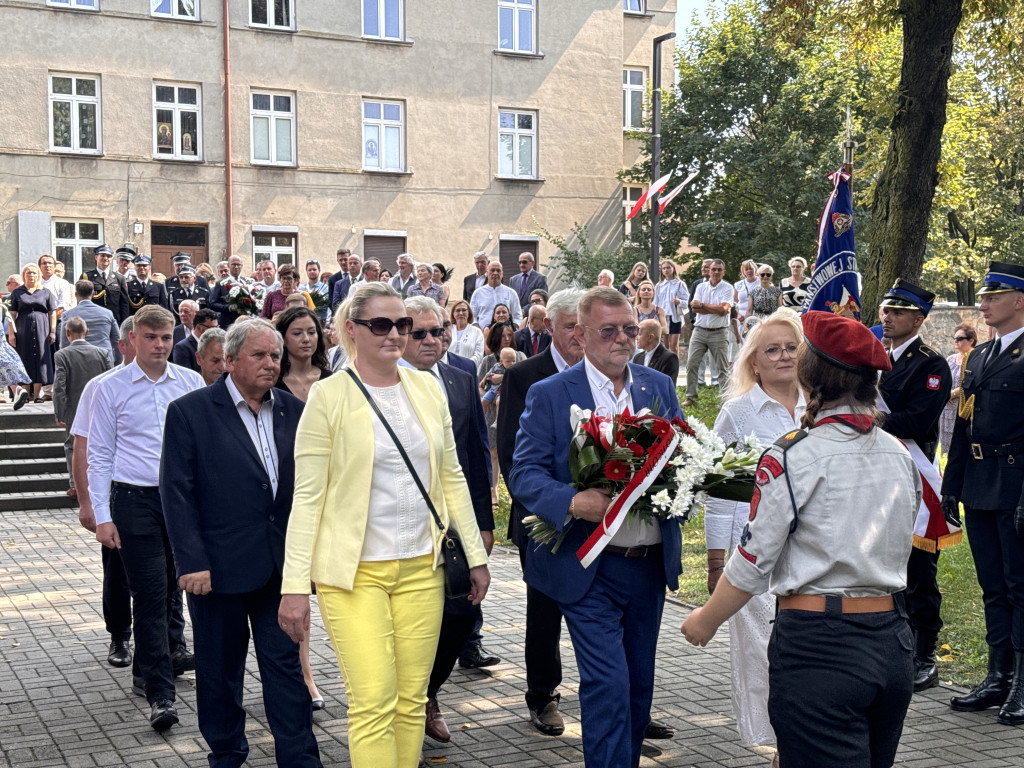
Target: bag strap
x=398 y=445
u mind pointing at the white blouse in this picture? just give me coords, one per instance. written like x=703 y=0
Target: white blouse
x=468 y=343
x=767 y=418
x=399 y=525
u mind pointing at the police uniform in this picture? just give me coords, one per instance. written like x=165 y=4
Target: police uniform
x=180 y=259
x=985 y=472
x=108 y=290
x=834 y=549
x=915 y=392
x=142 y=293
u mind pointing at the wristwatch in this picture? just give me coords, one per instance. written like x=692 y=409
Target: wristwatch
x=702 y=305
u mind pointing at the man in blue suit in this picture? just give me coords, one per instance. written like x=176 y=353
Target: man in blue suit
x=528 y=280
x=613 y=608
x=226 y=522
x=103 y=328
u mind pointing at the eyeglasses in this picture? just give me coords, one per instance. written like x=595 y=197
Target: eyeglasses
x=765 y=274
x=524 y=261
x=608 y=334
x=774 y=352
x=381 y=326
x=421 y=334
x=958 y=339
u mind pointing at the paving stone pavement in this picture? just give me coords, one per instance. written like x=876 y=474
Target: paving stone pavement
x=61 y=705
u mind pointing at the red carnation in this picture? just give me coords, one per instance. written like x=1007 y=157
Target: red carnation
x=620 y=439
x=637 y=449
x=683 y=426
x=616 y=470
x=661 y=428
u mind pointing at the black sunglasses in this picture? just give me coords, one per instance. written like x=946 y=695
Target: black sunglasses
x=381 y=326
x=421 y=334
x=631 y=331
x=960 y=338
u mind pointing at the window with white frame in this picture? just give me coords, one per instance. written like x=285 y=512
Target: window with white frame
x=87 y=5
x=629 y=197
x=75 y=113
x=517 y=144
x=383 y=135
x=73 y=242
x=273 y=128
x=632 y=98
x=633 y=6
x=383 y=18
x=273 y=246
x=177 y=123
x=516 y=24
x=175 y=9
x=276 y=14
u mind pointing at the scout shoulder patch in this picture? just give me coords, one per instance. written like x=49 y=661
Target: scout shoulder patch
x=791 y=438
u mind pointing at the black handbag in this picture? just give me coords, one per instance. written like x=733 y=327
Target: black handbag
x=457 y=583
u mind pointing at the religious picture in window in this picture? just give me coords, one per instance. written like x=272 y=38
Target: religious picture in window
x=165 y=136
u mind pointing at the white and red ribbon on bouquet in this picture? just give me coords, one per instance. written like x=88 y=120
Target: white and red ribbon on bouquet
x=659 y=455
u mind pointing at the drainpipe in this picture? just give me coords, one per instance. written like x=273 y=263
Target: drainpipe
x=229 y=205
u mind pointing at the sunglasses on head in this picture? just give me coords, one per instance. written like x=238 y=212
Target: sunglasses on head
x=631 y=331
x=421 y=334
x=381 y=326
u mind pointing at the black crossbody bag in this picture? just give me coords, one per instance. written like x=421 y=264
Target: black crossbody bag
x=456 y=567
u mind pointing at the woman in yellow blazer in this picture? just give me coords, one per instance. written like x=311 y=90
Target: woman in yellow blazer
x=361 y=531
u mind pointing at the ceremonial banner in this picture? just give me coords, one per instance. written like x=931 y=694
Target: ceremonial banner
x=835 y=281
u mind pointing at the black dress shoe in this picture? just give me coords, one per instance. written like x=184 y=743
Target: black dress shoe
x=477 y=657
x=548 y=720
x=993 y=690
x=656 y=730
x=926 y=674
x=163 y=715
x=120 y=654
x=183 y=661
x=1012 y=711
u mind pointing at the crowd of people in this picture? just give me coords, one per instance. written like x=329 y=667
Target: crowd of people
x=370 y=417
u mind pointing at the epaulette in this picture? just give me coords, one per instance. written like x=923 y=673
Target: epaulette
x=790 y=438
x=928 y=351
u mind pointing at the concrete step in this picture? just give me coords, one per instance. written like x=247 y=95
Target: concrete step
x=49 y=434
x=14 y=502
x=26 y=419
x=37 y=484
x=31 y=451
x=20 y=467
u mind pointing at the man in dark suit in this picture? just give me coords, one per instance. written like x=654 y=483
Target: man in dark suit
x=653 y=353
x=188 y=289
x=341 y=274
x=186 y=320
x=218 y=300
x=471 y=282
x=915 y=392
x=543 y=616
x=534 y=338
x=613 y=608
x=984 y=472
x=181 y=262
x=528 y=280
x=184 y=352
x=470 y=431
x=142 y=289
x=227 y=528
x=109 y=289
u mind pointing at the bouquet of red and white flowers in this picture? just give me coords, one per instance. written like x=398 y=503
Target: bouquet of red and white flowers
x=655 y=469
x=246 y=299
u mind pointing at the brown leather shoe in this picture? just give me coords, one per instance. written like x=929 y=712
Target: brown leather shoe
x=548 y=720
x=436 y=728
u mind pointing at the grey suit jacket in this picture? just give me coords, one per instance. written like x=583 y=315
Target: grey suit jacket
x=74 y=366
x=103 y=329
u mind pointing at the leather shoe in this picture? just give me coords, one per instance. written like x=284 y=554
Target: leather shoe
x=436 y=728
x=163 y=715
x=1012 y=711
x=548 y=720
x=183 y=661
x=656 y=730
x=119 y=654
x=926 y=674
x=477 y=657
x=993 y=690
x=317 y=704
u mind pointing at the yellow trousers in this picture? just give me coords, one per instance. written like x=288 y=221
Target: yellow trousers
x=385 y=634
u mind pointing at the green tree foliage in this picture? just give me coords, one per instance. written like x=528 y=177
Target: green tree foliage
x=578 y=261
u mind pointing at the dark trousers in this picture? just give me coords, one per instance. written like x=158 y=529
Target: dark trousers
x=999 y=560
x=923 y=599
x=839 y=687
x=542 y=646
x=117 y=603
x=614 y=629
x=221 y=628
x=457 y=624
x=149 y=565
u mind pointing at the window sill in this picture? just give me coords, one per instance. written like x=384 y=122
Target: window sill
x=523 y=179
x=627 y=131
x=402 y=43
x=279 y=30
x=638 y=14
x=385 y=172
x=179 y=19
x=518 y=54
x=273 y=166
x=64 y=152
x=186 y=160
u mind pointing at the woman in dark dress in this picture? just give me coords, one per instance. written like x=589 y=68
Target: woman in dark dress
x=35 y=322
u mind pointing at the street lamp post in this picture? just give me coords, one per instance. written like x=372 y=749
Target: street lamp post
x=656 y=150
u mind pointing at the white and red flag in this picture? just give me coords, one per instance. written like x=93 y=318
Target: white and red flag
x=652 y=190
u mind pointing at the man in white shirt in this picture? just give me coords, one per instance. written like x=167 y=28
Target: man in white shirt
x=125 y=441
x=405 y=279
x=369 y=273
x=492 y=293
x=268 y=276
x=314 y=285
x=711 y=303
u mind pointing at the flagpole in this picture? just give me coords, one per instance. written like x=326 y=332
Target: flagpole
x=656 y=150
x=849 y=145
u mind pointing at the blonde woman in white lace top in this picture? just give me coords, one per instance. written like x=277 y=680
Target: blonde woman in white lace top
x=763 y=398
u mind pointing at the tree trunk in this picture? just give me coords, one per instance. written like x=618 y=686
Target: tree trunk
x=901 y=209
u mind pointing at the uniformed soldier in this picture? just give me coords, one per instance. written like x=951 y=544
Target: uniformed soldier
x=985 y=472
x=180 y=260
x=188 y=289
x=108 y=286
x=829 y=534
x=125 y=259
x=914 y=393
x=142 y=290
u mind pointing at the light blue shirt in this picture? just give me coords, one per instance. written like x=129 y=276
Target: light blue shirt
x=260 y=427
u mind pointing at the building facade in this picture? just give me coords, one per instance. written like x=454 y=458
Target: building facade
x=299 y=126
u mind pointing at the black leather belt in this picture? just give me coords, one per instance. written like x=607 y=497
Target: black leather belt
x=648 y=550
x=987 y=450
x=137 y=488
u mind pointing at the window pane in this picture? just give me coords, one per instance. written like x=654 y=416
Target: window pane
x=89 y=231
x=85 y=86
x=371 y=146
x=505 y=154
x=371 y=110
x=505 y=28
x=264 y=240
x=371 y=23
x=506 y=120
x=392 y=18
x=625 y=108
x=392 y=147
x=187 y=96
x=637 y=99
x=525 y=122
x=282 y=103
x=160 y=6
x=62 y=124
x=165 y=132
x=87 y=126
x=64 y=230
x=165 y=94
x=282 y=14
x=66 y=255
x=261 y=138
x=61 y=84
x=189 y=133
x=392 y=112
x=525 y=31
x=284 y=241
x=525 y=156
x=636 y=77
x=261 y=101
x=187 y=8
x=283 y=134
x=259 y=11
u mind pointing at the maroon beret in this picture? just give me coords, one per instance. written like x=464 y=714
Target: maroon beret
x=844 y=342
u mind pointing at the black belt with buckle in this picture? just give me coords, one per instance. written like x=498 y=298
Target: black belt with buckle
x=989 y=450
x=647 y=550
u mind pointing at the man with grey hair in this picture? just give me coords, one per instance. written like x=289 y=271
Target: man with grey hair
x=226 y=525
x=369 y=272
x=186 y=315
x=222 y=269
x=606 y=278
x=711 y=304
x=210 y=354
x=478 y=278
x=405 y=279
